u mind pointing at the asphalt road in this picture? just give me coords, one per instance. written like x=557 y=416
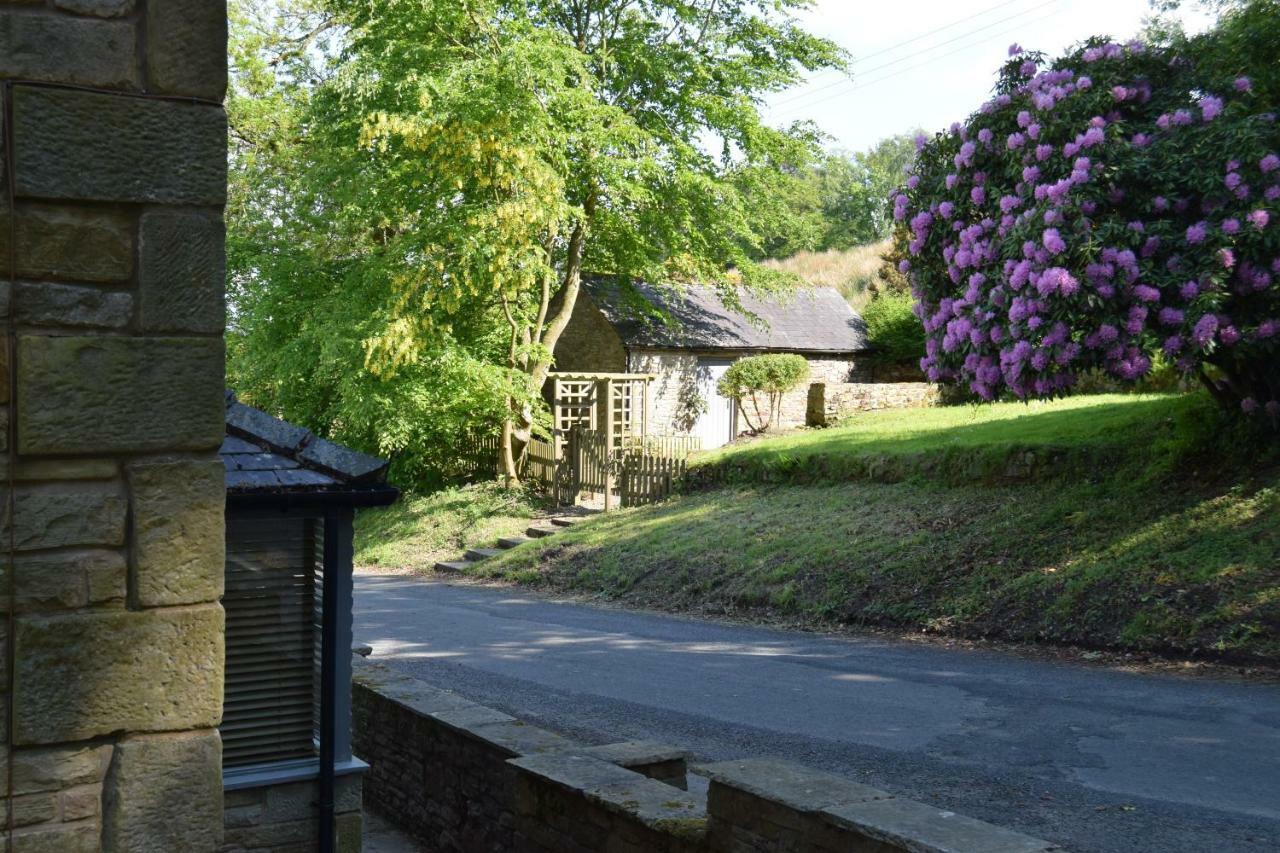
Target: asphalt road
x=1095 y=759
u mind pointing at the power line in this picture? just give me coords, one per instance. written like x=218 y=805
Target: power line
x=868 y=83
x=935 y=32
x=925 y=35
x=882 y=66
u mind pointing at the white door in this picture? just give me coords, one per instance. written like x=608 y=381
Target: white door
x=715 y=426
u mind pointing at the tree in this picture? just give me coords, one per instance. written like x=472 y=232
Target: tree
x=299 y=254
x=510 y=145
x=1115 y=204
x=835 y=201
x=772 y=375
x=884 y=167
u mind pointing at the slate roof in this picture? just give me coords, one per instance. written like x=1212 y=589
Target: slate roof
x=809 y=320
x=264 y=455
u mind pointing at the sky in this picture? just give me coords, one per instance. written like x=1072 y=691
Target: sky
x=927 y=63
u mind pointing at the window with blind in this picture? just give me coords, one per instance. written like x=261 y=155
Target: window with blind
x=274 y=576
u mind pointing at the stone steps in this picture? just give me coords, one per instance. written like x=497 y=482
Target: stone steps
x=541 y=530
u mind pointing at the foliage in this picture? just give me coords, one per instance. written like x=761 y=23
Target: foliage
x=302 y=306
x=1149 y=533
x=443 y=172
x=772 y=375
x=834 y=202
x=1119 y=202
x=893 y=328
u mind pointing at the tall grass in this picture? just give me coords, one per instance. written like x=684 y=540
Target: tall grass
x=850 y=271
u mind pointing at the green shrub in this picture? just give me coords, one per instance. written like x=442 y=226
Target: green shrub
x=771 y=375
x=893 y=328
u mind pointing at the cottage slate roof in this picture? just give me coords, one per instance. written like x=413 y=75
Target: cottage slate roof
x=266 y=455
x=805 y=320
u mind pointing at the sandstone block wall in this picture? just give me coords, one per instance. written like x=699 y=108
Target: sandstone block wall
x=589 y=343
x=829 y=402
x=465 y=778
x=795 y=403
x=112 y=183
x=284 y=818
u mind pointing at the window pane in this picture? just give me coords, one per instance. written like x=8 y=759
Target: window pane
x=272 y=639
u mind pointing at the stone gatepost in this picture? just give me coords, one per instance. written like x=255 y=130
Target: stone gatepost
x=112 y=183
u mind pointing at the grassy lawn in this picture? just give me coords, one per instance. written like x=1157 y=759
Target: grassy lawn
x=968 y=444
x=1106 y=521
x=421 y=530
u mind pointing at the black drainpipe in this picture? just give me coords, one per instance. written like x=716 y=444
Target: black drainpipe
x=328 y=675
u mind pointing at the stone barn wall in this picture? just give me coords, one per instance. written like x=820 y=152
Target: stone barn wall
x=589 y=343
x=112 y=183
x=676 y=383
x=673 y=390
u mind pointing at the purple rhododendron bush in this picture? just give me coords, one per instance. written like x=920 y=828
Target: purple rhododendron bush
x=1108 y=211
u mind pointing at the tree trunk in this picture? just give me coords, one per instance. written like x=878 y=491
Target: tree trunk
x=510 y=475
x=518 y=428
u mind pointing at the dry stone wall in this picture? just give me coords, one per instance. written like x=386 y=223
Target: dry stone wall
x=112 y=183
x=465 y=778
x=829 y=402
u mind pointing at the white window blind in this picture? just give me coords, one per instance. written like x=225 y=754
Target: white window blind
x=272 y=600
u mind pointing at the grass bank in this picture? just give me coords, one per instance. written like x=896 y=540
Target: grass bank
x=420 y=530
x=1107 y=522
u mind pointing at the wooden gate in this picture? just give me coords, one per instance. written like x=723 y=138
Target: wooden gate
x=583 y=464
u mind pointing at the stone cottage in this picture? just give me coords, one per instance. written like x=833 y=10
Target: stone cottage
x=687 y=339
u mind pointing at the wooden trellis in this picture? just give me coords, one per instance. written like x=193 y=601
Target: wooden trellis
x=616 y=404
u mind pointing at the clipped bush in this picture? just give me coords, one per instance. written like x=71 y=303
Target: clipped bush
x=893 y=328
x=768 y=375
x=1119 y=203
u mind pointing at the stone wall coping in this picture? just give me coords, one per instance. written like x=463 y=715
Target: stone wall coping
x=868 y=812
x=616 y=789
x=919 y=828
x=633 y=753
x=519 y=738
x=797 y=787
x=877 y=385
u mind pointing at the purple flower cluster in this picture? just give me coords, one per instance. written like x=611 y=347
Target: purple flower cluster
x=1039 y=262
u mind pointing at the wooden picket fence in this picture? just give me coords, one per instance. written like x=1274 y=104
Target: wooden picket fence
x=647 y=478
x=579 y=464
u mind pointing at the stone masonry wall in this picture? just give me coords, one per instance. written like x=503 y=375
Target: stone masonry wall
x=795 y=403
x=671 y=392
x=112 y=183
x=589 y=344
x=465 y=778
x=828 y=403
x=284 y=818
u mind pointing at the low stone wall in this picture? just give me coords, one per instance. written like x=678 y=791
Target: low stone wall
x=829 y=402
x=466 y=778
x=284 y=818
